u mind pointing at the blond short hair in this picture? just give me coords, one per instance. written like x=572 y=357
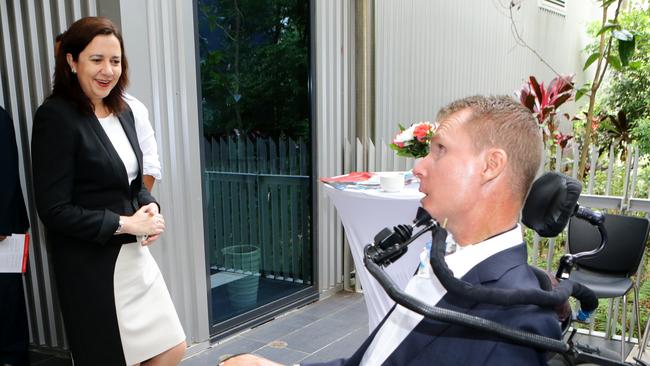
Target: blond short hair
x=501 y=121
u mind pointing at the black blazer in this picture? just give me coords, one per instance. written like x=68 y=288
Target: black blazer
x=80 y=182
x=81 y=188
x=13 y=216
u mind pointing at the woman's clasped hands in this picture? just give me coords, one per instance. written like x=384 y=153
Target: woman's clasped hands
x=147 y=222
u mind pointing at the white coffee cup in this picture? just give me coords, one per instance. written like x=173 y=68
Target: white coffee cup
x=391 y=181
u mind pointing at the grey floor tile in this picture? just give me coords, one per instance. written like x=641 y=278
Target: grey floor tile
x=316 y=335
x=281 y=327
x=193 y=361
x=354 y=315
x=212 y=356
x=343 y=348
x=312 y=328
x=333 y=304
x=285 y=356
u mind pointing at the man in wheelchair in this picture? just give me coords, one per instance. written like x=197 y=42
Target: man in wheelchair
x=483 y=160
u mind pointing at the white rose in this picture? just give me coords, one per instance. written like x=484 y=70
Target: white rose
x=406 y=135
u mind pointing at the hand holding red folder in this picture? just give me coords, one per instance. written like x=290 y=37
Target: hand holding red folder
x=14 y=252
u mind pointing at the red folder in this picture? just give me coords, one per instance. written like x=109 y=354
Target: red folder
x=26 y=253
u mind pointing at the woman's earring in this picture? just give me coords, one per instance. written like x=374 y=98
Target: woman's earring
x=74 y=71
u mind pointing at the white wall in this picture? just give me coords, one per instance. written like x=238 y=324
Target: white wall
x=429 y=53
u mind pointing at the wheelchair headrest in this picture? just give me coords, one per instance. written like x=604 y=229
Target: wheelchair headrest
x=551 y=202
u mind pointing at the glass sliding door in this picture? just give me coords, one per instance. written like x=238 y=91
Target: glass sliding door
x=254 y=65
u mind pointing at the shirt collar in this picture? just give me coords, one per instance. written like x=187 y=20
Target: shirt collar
x=469 y=256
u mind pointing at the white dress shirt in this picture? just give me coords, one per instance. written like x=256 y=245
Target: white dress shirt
x=146 y=137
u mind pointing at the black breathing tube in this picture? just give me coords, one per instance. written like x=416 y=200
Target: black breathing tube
x=502 y=296
x=390 y=245
x=458 y=318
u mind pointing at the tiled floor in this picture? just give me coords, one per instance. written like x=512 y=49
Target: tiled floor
x=328 y=329
x=322 y=331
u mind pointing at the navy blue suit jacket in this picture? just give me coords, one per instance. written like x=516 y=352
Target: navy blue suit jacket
x=436 y=343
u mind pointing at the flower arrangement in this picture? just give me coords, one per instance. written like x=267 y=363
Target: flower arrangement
x=414 y=141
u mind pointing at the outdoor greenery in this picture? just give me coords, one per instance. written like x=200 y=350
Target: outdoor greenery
x=255 y=67
x=616 y=115
x=614 y=45
x=627 y=94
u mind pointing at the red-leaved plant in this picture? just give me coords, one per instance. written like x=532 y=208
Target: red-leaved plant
x=545 y=102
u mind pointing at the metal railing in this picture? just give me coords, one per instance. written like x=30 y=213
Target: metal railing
x=258 y=194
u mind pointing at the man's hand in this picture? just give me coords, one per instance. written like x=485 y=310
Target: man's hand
x=248 y=360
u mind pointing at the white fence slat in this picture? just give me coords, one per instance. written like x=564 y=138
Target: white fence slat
x=347 y=160
x=371 y=157
x=626 y=179
x=549 y=255
x=534 y=255
x=592 y=170
x=635 y=171
x=639 y=204
x=610 y=168
x=359 y=156
x=601 y=202
x=576 y=158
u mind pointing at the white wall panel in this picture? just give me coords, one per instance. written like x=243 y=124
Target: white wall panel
x=159 y=38
x=429 y=53
x=334 y=117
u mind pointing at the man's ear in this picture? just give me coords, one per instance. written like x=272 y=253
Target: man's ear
x=496 y=161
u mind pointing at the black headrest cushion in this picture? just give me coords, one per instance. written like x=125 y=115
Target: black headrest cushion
x=550 y=203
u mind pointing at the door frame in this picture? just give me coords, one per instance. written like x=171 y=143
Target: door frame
x=272 y=309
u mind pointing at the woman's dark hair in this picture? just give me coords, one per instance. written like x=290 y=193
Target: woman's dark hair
x=74 y=41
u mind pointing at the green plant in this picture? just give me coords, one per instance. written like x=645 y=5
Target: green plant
x=617 y=131
x=605 y=53
x=641 y=135
x=627 y=88
x=255 y=67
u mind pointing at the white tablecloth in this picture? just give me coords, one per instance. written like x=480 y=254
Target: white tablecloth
x=363 y=214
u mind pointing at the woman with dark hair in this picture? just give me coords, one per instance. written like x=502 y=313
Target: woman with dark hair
x=98 y=216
